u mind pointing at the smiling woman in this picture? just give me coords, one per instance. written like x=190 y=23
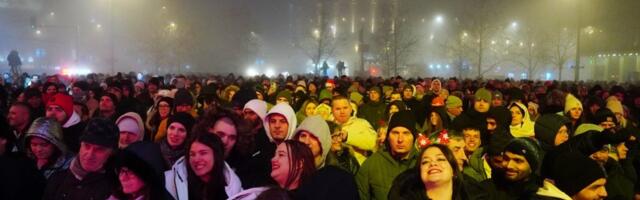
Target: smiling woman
x=434 y=177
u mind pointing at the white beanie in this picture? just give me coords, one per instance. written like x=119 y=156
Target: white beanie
x=128 y=124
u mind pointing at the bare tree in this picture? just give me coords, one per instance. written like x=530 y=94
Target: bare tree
x=530 y=51
x=396 y=41
x=320 y=43
x=562 y=47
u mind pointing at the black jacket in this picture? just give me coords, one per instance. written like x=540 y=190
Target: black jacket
x=64 y=185
x=328 y=182
x=19 y=178
x=71 y=136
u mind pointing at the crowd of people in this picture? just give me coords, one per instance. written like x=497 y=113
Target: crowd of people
x=304 y=137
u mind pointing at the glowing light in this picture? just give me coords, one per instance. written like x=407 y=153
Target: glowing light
x=75 y=70
x=514 y=24
x=439 y=19
x=251 y=72
x=38 y=32
x=270 y=72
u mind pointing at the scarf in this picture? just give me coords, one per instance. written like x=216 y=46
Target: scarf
x=171 y=155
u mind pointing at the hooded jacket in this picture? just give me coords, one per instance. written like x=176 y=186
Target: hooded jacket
x=288 y=113
x=546 y=129
x=146 y=162
x=258 y=106
x=328 y=182
x=71 y=131
x=138 y=119
x=177 y=185
x=301 y=114
x=316 y=126
x=361 y=137
x=526 y=128
x=50 y=131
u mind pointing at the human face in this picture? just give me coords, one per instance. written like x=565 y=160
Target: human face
x=18 y=116
x=226 y=130
x=35 y=102
x=152 y=88
x=278 y=127
x=497 y=162
x=601 y=156
x=92 y=157
x=434 y=167
x=400 y=141
x=609 y=124
x=51 y=90
x=481 y=106
x=201 y=160
x=516 y=116
x=163 y=109
x=622 y=150
x=106 y=104
x=471 y=139
x=185 y=108
x=310 y=109
x=407 y=93
x=282 y=100
x=176 y=134
x=495 y=102
x=595 y=191
x=251 y=117
x=455 y=111
x=562 y=136
x=434 y=118
x=457 y=147
x=126 y=138
x=56 y=112
x=341 y=110
x=131 y=183
x=491 y=124
x=374 y=96
x=41 y=148
x=575 y=113
x=517 y=167
x=312 y=142
x=280 y=165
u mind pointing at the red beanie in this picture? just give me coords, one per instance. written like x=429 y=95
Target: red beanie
x=64 y=101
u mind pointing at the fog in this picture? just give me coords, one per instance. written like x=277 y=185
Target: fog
x=532 y=39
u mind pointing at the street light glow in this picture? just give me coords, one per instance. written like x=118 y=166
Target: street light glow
x=514 y=24
x=439 y=19
x=38 y=32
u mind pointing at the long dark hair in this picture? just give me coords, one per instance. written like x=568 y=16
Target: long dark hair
x=214 y=189
x=299 y=153
x=458 y=190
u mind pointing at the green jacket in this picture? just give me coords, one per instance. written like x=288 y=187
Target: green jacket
x=475 y=168
x=375 y=177
x=373 y=112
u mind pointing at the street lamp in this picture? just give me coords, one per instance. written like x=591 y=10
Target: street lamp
x=439 y=19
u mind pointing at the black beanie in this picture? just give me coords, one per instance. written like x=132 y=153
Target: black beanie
x=405 y=119
x=602 y=114
x=183 y=97
x=183 y=118
x=101 y=131
x=145 y=160
x=528 y=148
x=498 y=141
x=575 y=172
x=547 y=127
x=244 y=95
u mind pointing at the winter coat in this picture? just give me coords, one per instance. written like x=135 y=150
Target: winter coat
x=619 y=185
x=329 y=182
x=526 y=128
x=361 y=137
x=50 y=131
x=19 y=178
x=255 y=170
x=71 y=132
x=65 y=185
x=177 y=185
x=376 y=174
x=476 y=166
x=373 y=112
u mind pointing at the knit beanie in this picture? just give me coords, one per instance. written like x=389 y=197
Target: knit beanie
x=547 y=126
x=614 y=105
x=101 y=131
x=528 y=148
x=571 y=102
x=183 y=118
x=498 y=141
x=376 y=89
x=453 y=101
x=243 y=96
x=483 y=94
x=404 y=118
x=574 y=172
x=64 y=101
x=145 y=160
x=183 y=97
x=286 y=94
